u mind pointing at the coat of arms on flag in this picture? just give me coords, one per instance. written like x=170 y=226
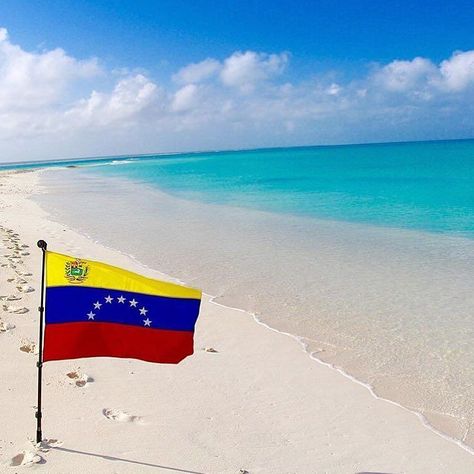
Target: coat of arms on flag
x=76 y=270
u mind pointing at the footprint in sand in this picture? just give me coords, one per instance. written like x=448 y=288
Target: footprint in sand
x=119 y=415
x=25 y=289
x=10 y=298
x=80 y=379
x=26 y=458
x=210 y=349
x=21 y=281
x=5 y=327
x=28 y=347
x=25 y=274
x=15 y=309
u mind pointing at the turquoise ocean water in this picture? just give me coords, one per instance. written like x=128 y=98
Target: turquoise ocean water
x=365 y=252
x=418 y=185
x=421 y=185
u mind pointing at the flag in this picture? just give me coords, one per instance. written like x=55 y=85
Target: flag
x=97 y=310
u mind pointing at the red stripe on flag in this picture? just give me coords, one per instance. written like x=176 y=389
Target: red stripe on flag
x=95 y=339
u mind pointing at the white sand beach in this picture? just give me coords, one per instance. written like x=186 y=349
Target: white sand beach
x=249 y=400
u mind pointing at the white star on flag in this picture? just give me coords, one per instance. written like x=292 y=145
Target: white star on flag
x=147 y=322
x=90 y=315
x=133 y=302
x=143 y=311
x=108 y=299
x=97 y=305
x=121 y=299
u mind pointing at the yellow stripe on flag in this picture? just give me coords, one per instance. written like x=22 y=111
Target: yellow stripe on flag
x=63 y=270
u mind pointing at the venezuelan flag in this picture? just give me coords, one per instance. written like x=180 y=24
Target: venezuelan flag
x=97 y=310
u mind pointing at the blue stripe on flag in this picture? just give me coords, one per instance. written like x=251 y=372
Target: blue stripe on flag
x=65 y=304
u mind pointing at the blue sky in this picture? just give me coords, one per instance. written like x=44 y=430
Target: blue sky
x=277 y=73
x=150 y=34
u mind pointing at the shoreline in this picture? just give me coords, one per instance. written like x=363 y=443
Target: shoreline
x=300 y=341
x=370 y=389
x=381 y=272
x=354 y=461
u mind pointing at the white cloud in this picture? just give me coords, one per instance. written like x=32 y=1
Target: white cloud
x=403 y=76
x=420 y=74
x=130 y=97
x=334 y=89
x=245 y=70
x=197 y=72
x=185 y=98
x=458 y=71
x=29 y=80
x=53 y=104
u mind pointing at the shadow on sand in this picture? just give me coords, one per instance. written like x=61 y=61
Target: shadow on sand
x=113 y=458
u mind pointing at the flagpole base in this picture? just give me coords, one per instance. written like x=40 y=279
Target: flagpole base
x=39 y=432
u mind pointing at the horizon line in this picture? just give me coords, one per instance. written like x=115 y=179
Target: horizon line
x=227 y=150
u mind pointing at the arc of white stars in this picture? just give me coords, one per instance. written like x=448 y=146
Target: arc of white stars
x=121 y=299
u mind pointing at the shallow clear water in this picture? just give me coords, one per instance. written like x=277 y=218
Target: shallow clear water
x=422 y=185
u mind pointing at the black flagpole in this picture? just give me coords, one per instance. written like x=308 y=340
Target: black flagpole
x=39 y=435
